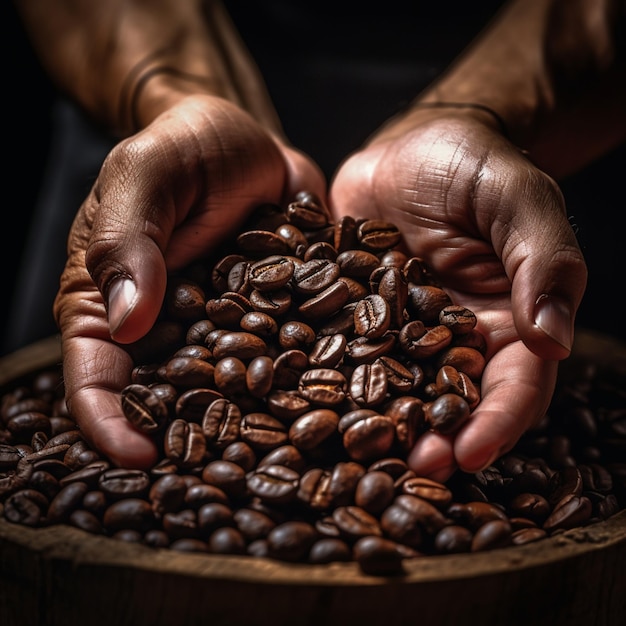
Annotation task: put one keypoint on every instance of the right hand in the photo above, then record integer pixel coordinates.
(163, 198)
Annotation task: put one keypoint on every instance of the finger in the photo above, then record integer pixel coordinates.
(517, 387)
(93, 399)
(433, 457)
(541, 256)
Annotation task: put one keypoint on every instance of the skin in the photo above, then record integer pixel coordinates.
(196, 155)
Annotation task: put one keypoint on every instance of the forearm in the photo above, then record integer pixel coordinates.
(126, 61)
(554, 72)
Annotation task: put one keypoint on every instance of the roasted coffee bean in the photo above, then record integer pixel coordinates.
(271, 273)
(407, 416)
(184, 300)
(291, 541)
(447, 414)
(379, 556)
(374, 491)
(276, 484)
(117, 483)
(185, 443)
(458, 319)
(492, 535)
(378, 235)
(329, 550)
(262, 431)
(241, 345)
(328, 351)
(26, 507)
(323, 386)
(226, 475)
(367, 434)
(314, 429)
(128, 514)
(296, 336)
(372, 316)
(368, 384)
(326, 302)
(230, 376)
(143, 408)
(453, 539)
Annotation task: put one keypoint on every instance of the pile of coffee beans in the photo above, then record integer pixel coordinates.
(284, 383)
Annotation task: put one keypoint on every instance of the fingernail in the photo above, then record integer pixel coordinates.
(122, 293)
(553, 317)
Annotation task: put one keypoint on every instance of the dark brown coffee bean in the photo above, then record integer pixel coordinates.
(192, 404)
(453, 539)
(26, 506)
(184, 300)
(323, 386)
(447, 414)
(287, 404)
(430, 490)
(221, 271)
(492, 535)
(407, 415)
(467, 360)
(260, 376)
(221, 423)
(425, 302)
(326, 302)
(357, 263)
(262, 431)
(314, 429)
(228, 476)
(329, 550)
(261, 243)
(259, 323)
(276, 484)
(144, 409)
(118, 483)
(307, 212)
(372, 316)
(375, 491)
(189, 372)
(167, 493)
(291, 541)
(241, 345)
(363, 350)
(457, 318)
(378, 235)
(366, 434)
(275, 303)
(569, 512)
(230, 376)
(288, 367)
(185, 444)
(368, 384)
(128, 514)
(296, 335)
(328, 351)
(355, 522)
(378, 556)
(66, 500)
(271, 273)
(287, 455)
(253, 524)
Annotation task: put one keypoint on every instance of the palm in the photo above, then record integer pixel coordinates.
(459, 193)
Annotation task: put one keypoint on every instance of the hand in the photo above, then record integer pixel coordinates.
(163, 198)
(494, 231)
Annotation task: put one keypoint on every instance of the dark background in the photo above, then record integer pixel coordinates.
(595, 197)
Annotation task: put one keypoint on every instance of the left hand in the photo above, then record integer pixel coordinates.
(494, 231)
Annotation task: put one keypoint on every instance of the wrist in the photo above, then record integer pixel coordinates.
(152, 87)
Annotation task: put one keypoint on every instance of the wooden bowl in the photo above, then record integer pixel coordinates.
(62, 576)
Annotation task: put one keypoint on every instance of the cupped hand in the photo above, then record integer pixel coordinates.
(493, 230)
(163, 198)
